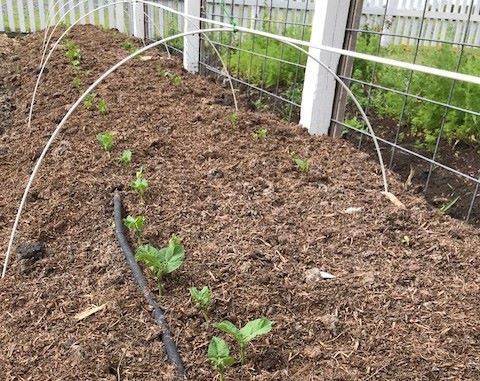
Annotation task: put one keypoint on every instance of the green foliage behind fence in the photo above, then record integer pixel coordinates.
(425, 119)
(422, 118)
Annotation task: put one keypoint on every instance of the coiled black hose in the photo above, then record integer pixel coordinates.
(158, 315)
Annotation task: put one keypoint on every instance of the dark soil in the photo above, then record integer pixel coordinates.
(405, 301)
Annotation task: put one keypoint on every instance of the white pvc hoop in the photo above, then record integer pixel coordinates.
(44, 64)
(349, 53)
(47, 42)
(122, 62)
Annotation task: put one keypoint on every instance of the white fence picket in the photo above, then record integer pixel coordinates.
(111, 17)
(72, 12)
(120, 17)
(91, 16)
(21, 16)
(2, 25)
(101, 14)
(32, 22)
(82, 12)
(444, 19)
(41, 13)
(61, 10)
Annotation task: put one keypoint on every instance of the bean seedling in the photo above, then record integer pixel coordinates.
(261, 134)
(135, 225)
(128, 46)
(175, 79)
(233, 118)
(126, 157)
(106, 140)
(243, 336)
(140, 184)
(162, 261)
(219, 355)
(102, 106)
(73, 54)
(202, 299)
(302, 165)
(88, 100)
(77, 83)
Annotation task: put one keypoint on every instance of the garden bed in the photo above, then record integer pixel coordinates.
(404, 304)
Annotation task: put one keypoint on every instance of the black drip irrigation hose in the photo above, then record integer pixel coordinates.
(158, 314)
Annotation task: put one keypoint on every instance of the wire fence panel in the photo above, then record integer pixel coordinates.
(270, 72)
(429, 126)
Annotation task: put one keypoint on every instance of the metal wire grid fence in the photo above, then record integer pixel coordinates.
(270, 73)
(429, 127)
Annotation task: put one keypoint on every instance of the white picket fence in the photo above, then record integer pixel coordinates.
(32, 15)
(438, 20)
(443, 20)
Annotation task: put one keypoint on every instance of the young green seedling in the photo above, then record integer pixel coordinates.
(261, 134)
(73, 54)
(126, 157)
(102, 106)
(88, 101)
(302, 165)
(77, 83)
(175, 79)
(219, 355)
(162, 261)
(140, 184)
(106, 140)
(202, 299)
(243, 336)
(259, 105)
(136, 225)
(233, 118)
(128, 46)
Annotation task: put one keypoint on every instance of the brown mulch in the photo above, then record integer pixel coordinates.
(404, 304)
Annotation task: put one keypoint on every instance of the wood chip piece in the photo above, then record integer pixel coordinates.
(89, 311)
(394, 200)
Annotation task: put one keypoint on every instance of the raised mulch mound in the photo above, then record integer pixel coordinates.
(404, 304)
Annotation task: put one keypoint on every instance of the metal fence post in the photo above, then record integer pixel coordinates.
(329, 23)
(191, 44)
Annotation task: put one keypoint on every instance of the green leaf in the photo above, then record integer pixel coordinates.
(229, 328)
(173, 255)
(255, 328)
(134, 223)
(219, 353)
(126, 157)
(218, 348)
(201, 297)
(106, 140)
(149, 255)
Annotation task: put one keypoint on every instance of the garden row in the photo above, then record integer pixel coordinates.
(166, 260)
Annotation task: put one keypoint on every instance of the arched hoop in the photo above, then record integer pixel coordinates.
(46, 41)
(44, 64)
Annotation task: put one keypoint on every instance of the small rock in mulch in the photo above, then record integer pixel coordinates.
(28, 253)
(215, 173)
(314, 275)
(353, 210)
